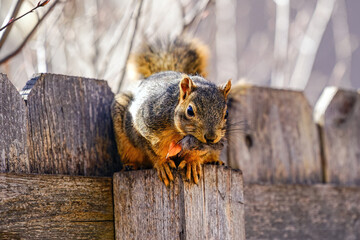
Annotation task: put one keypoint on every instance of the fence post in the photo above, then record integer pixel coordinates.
(13, 129)
(338, 114)
(272, 136)
(146, 209)
(70, 130)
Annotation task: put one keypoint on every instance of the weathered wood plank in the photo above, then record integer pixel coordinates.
(13, 129)
(281, 144)
(220, 196)
(146, 209)
(70, 126)
(338, 114)
(302, 212)
(55, 207)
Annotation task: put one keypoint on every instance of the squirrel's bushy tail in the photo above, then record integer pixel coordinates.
(182, 55)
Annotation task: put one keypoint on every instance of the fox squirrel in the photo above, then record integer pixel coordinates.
(174, 106)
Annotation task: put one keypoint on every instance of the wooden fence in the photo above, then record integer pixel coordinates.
(284, 143)
(301, 175)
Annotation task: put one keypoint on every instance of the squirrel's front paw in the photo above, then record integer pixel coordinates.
(193, 167)
(164, 171)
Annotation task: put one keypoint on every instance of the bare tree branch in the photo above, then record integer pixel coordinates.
(18, 49)
(131, 45)
(226, 57)
(12, 20)
(281, 43)
(14, 10)
(342, 43)
(310, 43)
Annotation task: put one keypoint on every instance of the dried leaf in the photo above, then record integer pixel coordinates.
(41, 4)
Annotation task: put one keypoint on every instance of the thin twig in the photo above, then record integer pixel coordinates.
(18, 49)
(131, 45)
(14, 11)
(12, 20)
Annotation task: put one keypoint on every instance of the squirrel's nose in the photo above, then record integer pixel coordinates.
(210, 137)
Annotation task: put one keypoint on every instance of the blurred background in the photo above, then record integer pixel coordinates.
(297, 44)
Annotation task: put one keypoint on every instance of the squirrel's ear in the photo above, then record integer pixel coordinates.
(186, 87)
(226, 88)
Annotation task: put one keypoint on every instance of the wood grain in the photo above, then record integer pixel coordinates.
(55, 207)
(70, 130)
(272, 136)
(338, 115)
(146, 209)
(302, 212)
(13, 129)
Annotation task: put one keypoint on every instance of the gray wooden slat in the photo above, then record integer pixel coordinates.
(210, 206)
(146, 209)
(302, 212)
(70, 130)
(55, 207)
(272, 136)
(13, 129)
(338, 114)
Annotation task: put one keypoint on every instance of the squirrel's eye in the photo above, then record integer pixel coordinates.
(190, 111)
(226, 114)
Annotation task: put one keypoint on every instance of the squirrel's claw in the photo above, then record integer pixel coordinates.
(164, 171)
(129, 167)
(192, 169)
(182, 164)
(216, 162)
(171, 163)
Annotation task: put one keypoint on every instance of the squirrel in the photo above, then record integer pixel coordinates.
(174, 105)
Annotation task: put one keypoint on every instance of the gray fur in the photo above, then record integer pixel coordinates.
(156, 98)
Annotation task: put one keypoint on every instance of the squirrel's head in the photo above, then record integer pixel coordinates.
(202, 110)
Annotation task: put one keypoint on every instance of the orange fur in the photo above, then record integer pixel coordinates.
(130, 155)
(134, 157)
